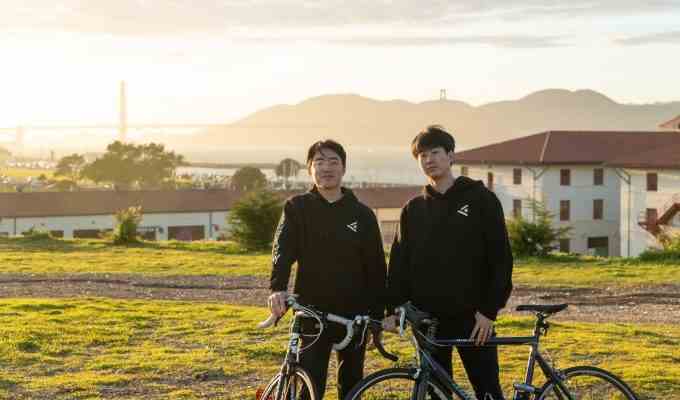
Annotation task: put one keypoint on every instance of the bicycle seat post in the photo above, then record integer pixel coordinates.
(541, 326)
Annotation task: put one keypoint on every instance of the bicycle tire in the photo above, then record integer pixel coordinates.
(405, 389)
(595, 381)
(270, 391)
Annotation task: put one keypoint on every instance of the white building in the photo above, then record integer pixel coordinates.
(181, 215)
(617, 190)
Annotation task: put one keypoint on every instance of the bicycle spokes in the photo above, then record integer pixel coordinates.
(586, 388)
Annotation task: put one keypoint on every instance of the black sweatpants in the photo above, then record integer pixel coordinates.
(315, 358)
(480, 363)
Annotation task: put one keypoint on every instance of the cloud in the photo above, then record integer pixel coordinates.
(514, 41)
(655, 38)
(162, 17)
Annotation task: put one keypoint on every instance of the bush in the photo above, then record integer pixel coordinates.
(37, 234)
(126, 228)
(670, 243)
(254, 218)
(535, 238)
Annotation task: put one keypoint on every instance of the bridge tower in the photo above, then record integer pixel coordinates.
(123, 124)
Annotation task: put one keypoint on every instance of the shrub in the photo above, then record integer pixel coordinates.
(537, 237)
(37, 234)
(126, 228)
(253, 219)
(670, 243)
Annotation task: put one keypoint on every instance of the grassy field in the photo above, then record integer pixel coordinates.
(100, 348)
(225, 259)
(13, 172)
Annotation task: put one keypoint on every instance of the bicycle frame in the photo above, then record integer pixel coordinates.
(428, 367)
(292, 358)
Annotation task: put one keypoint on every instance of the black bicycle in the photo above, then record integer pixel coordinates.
(428, 380)
(293, 382)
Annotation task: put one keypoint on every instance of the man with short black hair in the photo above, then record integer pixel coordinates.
(337, 244)
(451, 257)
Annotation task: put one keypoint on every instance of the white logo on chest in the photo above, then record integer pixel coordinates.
(464, 210)
(354, 226)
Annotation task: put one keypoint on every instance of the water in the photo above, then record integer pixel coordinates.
(373, 165)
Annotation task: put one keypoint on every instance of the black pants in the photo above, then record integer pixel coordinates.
(480, 363)
(315, 358)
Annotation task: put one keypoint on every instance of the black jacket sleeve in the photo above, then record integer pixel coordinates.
(499, 256)
(398, 285)
(373, 260)
(284, 249)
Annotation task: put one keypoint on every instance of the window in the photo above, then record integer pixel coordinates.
(517, 208)
(565, 245)
(464, 171)
(564, 210)
(652, 216)
(147, 232)
(186, 233)
(86, 233)
(489, 181)
(565, 177)
(517, 176)
(598, 177)
(652, 182)
(598, 208)
(599, 246)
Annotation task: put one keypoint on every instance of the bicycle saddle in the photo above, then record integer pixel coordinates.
(542, 308)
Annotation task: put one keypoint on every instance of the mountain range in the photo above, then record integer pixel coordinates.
(361, 121)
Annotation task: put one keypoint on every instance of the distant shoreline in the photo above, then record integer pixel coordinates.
(229, 165)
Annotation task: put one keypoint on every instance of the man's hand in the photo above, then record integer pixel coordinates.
(277, 303)
(377, 334)
(390, 323)
(483, 329)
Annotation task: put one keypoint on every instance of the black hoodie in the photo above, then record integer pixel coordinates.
(452, 256)
(338, 248)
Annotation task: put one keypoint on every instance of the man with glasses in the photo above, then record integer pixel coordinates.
(337, 245)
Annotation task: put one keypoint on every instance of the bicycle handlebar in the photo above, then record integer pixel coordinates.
(349, 324)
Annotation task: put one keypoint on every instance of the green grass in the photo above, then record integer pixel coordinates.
(101, 348)
(13, 172)
(225, 259)
(26, 256)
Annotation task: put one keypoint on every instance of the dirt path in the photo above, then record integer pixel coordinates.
(656, 304)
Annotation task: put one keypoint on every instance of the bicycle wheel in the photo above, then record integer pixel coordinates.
(297, 386)
(587, 383)
(395, 384)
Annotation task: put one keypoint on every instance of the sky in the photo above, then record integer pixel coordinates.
(214, 61)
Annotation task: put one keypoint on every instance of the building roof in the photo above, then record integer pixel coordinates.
(52, 204)
(672, 124)
(629, 149)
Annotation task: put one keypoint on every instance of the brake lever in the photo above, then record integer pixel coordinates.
(402, 320)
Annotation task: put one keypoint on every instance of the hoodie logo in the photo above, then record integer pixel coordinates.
(354, 226)
(464, 210)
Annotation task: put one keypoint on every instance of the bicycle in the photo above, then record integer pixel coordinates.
(428, 380)
(293, 382)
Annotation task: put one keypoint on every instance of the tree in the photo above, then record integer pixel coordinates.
(287, 168)
(126, 228)
(126, 165)
(253, 219)
(70, 167)
(248, 178)
(537, 237)
(4, 154)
